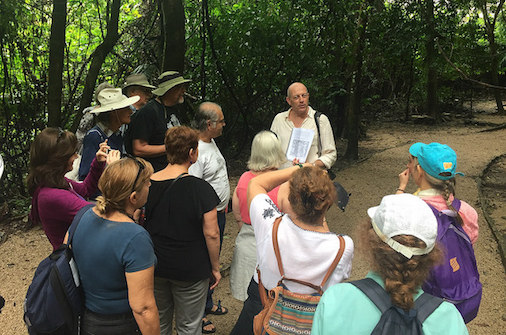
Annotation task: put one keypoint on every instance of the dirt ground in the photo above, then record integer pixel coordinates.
(383, 156)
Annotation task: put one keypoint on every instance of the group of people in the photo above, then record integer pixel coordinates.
(148, 251)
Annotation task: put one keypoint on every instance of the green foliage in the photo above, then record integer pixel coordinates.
(242, 54)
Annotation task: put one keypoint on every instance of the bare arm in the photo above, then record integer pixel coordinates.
(142, 300)
(141, 148)
(212, 236)
(269, 180)
(236, 209)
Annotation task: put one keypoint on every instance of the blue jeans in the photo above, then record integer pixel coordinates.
(222, 219)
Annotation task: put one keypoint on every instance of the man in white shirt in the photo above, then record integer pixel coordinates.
(322, 152)
(211, 167)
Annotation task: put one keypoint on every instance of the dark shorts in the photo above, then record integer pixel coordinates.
(108, 324)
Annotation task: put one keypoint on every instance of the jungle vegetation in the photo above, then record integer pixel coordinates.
(360, 59)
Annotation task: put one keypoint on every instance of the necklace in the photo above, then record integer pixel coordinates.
(125, 213)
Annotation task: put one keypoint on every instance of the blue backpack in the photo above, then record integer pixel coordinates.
(54, 300)
(394, 320)
(456, 280)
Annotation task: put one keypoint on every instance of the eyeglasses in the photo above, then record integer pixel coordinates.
(141, 167)
(298, 96)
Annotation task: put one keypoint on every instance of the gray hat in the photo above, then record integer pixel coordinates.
(168, 80)
(111, 99)
(137, 79)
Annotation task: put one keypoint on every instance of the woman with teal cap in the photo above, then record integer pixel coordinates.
(433, 168)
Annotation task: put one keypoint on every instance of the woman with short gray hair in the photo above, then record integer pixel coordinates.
(266, 155)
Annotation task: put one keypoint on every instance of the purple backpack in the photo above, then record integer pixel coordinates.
(456, 280)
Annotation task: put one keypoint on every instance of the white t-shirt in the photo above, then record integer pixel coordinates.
(211, 167)
(306, 255)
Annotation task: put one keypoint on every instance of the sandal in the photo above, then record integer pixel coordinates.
(206, 323)
(220, 310)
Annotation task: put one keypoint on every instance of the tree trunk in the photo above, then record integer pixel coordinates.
(494, 64)
(430, 61)
(173, 35)
(56, 55)
(354, 104)
(98, 59)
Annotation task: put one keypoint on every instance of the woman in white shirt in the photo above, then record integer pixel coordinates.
(306, 245)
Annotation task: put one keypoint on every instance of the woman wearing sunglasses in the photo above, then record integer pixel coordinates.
(115, 256)
(56, 199)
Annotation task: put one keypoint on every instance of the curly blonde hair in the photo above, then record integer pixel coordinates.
(402, 276)
(311, 194)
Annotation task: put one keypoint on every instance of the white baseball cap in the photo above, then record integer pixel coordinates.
(404, 214)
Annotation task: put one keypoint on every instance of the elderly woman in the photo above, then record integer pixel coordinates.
(115, 256)
(307, 246)
(401, 255)
(181, 218)
(113, 112)
(56, 199)
(266, 155)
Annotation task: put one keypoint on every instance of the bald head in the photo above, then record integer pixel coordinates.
(297, 96)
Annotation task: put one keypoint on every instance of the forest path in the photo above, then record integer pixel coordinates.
(386, 150)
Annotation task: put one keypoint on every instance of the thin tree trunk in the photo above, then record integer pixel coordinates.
(98, 58)
(56, 55)
(430, 61)
(354, 105)
(173, 34)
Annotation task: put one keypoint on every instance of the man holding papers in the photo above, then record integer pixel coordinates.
(304, 134)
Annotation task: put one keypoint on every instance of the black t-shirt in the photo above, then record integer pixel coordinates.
(150, 123)
(174, 220)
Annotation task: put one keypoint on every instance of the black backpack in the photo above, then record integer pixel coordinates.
(395, 320)
(54, 301)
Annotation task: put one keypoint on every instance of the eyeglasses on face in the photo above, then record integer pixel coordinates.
(298, 96)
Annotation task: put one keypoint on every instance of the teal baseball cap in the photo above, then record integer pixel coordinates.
(438, 160)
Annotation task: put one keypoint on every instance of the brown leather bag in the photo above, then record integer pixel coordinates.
(271, 319)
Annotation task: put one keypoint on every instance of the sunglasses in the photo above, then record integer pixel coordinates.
(141, 168)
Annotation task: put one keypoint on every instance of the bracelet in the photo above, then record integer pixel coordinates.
(400, 189)
(299, 165)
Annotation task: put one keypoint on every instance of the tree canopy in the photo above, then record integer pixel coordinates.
(359, 59)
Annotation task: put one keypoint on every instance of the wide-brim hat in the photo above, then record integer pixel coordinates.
(137, 79)
(168, 80)
(438, 160)
(111, 99)
(404, 214)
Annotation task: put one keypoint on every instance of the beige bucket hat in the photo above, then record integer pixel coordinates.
(137, 79)
(111, 99)
(168, 80)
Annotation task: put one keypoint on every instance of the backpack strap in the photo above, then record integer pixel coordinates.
(374, 292)
(317, 122)
(425, 305)
(333, 266)
(331, 269)
(75, 222)
(167, 190)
